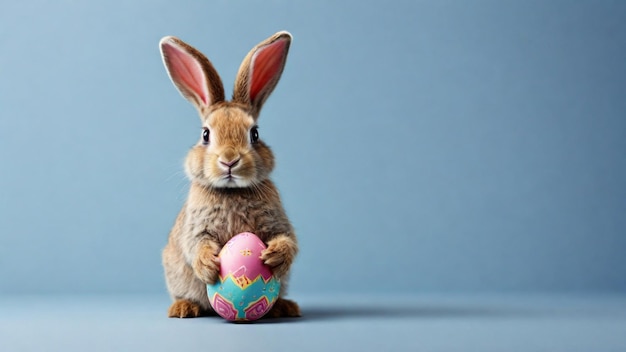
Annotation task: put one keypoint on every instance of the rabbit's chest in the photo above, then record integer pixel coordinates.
(224, 220)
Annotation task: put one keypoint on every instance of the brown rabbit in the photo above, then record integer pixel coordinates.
(229, 170)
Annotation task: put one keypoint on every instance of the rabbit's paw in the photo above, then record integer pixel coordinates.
(206, 266)
(280, 252)
(183, 308)
(284, 308)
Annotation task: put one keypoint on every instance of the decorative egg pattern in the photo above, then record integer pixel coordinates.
(246, 289)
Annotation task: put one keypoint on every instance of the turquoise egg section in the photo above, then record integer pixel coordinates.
(235, 300)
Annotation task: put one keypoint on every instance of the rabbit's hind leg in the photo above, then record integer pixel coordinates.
(187, 291)
(284, 308)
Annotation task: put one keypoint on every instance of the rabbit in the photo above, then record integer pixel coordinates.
(229, 168)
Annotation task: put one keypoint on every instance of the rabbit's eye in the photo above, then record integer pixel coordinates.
(254, 134)
(205, 135)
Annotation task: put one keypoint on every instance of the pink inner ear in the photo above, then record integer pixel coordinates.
(186, 71)
(265, 66)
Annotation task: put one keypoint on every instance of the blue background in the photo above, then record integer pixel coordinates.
(443, 146)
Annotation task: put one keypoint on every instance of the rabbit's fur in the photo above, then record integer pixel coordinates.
(229, 169)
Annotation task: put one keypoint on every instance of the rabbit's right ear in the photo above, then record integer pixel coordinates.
(192, 73)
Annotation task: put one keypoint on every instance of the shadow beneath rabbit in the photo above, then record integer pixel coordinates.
(320, 313)
(330, 313)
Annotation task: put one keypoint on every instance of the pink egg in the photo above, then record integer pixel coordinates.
(241, 257)
(246, 289)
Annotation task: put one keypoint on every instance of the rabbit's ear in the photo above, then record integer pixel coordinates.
(260, 71)
(192, 73)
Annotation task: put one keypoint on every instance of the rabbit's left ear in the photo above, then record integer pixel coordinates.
(260, 71)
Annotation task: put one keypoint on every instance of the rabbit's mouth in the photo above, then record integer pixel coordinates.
(229, 180)
(229, 176)
(236, 176)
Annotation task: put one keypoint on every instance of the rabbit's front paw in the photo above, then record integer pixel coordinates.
(206, 266)
(279, 255)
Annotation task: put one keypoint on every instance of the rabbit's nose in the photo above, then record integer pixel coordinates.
(230, 164)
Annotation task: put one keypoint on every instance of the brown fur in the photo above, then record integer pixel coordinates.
(184, 309)
(218, 207)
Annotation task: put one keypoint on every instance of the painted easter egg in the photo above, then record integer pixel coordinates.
(246, 289)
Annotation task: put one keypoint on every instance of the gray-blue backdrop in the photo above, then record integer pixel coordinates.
(433, 146)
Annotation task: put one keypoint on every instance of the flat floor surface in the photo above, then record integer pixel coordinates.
(345, 323)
